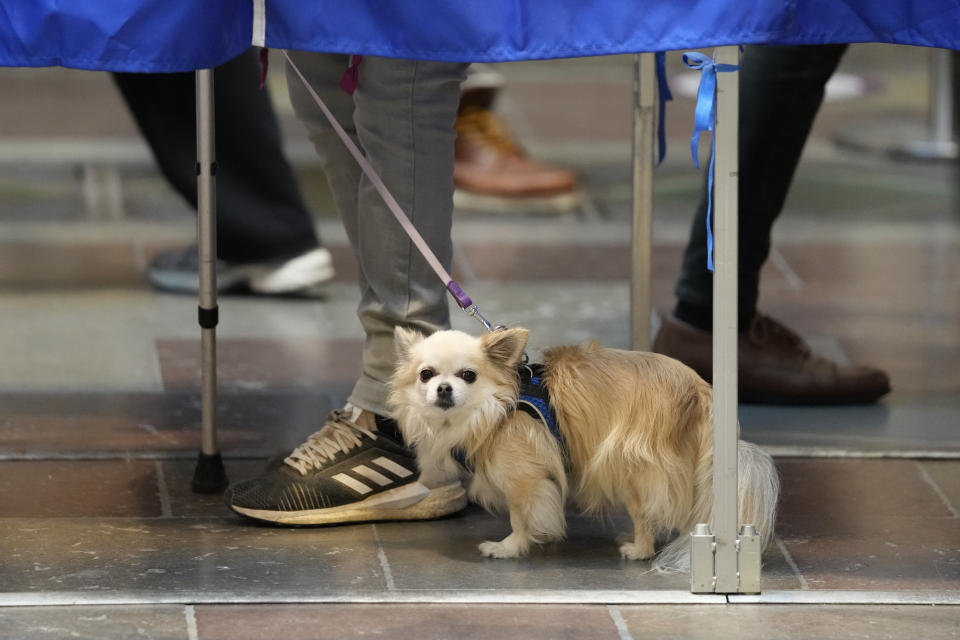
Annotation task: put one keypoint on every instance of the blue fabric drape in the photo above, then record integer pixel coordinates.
(123, 35)
(178, 35)
(496, 30)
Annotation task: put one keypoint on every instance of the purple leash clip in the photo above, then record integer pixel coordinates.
(459, 295)
(468, 306)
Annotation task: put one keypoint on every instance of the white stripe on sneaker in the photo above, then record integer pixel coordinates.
(392, 467)
(356, 485)
(370, 474)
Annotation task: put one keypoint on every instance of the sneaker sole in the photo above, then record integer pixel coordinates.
(412, 501)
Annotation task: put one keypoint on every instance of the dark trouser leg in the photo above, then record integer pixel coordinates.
(261, 213)
(781, 89)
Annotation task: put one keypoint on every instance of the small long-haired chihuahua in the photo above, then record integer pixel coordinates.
(635, 431)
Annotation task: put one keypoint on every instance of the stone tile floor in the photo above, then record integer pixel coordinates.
(98, 391)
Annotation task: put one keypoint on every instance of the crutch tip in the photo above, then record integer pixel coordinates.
(210, 475)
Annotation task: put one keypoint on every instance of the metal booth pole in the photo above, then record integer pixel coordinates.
(938, 141)
(644, 115)
(209, 476)
(723, 559)
(935, 139)
(942, 95)
(725, 293)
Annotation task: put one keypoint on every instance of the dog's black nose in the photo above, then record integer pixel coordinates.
(445, 396)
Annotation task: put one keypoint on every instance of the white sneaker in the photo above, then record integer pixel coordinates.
(300, 274)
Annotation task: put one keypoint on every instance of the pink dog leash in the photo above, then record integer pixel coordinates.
(461, 297)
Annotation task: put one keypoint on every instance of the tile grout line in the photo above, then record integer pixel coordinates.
(936, 489)
(190, 614)
(162, 492)
(576, 597)
(778, 259)
(621, 624)
(384, 563)
(125, 456)
(793, 565)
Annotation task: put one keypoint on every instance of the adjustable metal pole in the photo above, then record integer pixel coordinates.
(725, 325)
(939, 140)
(943, 128)
(210, 476)
(935, 139)
(644, 116)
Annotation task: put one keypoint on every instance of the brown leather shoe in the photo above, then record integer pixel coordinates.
(776, 366)
(493, 173)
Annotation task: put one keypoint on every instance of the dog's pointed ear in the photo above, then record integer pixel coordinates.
(404, 340)
(505, 346)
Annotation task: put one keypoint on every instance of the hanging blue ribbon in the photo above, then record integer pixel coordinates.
(704, 119)
(664, 94)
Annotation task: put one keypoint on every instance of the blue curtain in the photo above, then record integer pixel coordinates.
(178, 35)
(497, 30)
(123, 35)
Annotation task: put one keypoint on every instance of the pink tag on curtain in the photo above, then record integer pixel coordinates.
(351, 76)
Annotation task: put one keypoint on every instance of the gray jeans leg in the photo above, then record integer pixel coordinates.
(402, 116)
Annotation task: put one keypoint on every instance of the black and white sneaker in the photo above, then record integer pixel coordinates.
(354, 469)
(176, 270)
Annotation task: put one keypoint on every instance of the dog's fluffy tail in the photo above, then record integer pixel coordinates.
(758, 488)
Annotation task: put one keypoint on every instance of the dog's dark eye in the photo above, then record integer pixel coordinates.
(468, 376)
(426, 374)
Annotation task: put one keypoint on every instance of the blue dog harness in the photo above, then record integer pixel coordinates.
(533, 399)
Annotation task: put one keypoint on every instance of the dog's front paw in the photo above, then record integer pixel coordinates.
(502, 549)
(633, 551)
